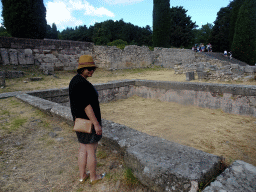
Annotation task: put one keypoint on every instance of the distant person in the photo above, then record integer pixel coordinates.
(209, 47)
(225, 53)
(202, 48)
(84, 104)
(230, 55)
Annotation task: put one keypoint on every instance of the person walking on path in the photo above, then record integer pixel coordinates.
(84, 104)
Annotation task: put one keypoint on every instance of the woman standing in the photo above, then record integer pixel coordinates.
(84, 104)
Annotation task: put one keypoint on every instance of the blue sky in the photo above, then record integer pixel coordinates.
(71, 13)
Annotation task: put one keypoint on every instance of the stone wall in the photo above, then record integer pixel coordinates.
(63, 55)
(216, 70)
(49, 55)
(160, 164)
(132, 56)
(58, 55)
(235, 99)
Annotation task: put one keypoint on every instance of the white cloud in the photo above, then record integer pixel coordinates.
(62, 12)
(89, 9)
(122, 1)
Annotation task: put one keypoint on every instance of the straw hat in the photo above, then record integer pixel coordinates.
(85, 61)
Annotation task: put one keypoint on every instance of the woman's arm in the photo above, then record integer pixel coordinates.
(90, 114)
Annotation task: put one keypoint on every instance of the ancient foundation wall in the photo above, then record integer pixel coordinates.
(53, 55)
(50, 55)
(235, 99)
(160, 164)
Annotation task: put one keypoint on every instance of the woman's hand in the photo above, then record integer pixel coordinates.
(98, 129)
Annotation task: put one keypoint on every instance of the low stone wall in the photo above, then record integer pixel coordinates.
(235, 99)
(50, 55)
(216, 70)
(160, 164)
(63, 55)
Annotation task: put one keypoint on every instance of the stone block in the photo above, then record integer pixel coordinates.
(30, 60)
(13, 56)
(167, 166)
(239, 71)
(249, 69)
(190, 76)
(28, 52)
(240, 176)
(234, 66)
(202, 75)
(5, 56)
(21, 58)
(2, 80)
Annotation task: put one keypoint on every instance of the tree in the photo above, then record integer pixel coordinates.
(181, 31)
(118, 43)
(24, 18)
(220, 31)
(51, 32)
(161, 23)
(3, 32)
(235, 7)
(203, 34)
(244, 42)
(54, 31)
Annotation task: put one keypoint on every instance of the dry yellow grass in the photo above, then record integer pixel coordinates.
(212, 131)
(62, 79)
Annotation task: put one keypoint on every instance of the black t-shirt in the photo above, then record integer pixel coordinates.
(81, 94)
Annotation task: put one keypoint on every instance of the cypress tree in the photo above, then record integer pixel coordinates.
(25, 18)
(161, 23)
(234, 7)
(244, 42)
(220, 31)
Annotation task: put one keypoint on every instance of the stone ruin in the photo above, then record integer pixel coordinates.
(58, 55)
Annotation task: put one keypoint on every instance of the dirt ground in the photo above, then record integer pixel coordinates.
(38, 152)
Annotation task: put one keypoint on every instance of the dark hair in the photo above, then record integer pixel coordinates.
(80, 71)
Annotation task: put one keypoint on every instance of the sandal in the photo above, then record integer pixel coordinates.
(99, 177)
(81, 181)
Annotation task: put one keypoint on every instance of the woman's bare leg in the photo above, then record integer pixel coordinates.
(91, 159)
(82, 160)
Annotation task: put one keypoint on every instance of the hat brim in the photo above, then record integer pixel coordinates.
(87, 64)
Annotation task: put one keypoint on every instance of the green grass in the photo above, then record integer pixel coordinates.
(14, 103)
(16, 123)
(5, 112)
(129, 177)
(101, 154)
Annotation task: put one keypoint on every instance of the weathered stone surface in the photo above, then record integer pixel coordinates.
(2, 80)
(166, 166)
(190, 76)
(5, 56)
(249, 69)
(240, 176)
(30, 60)
(22, 57)
(202, 75)
(13, 56)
